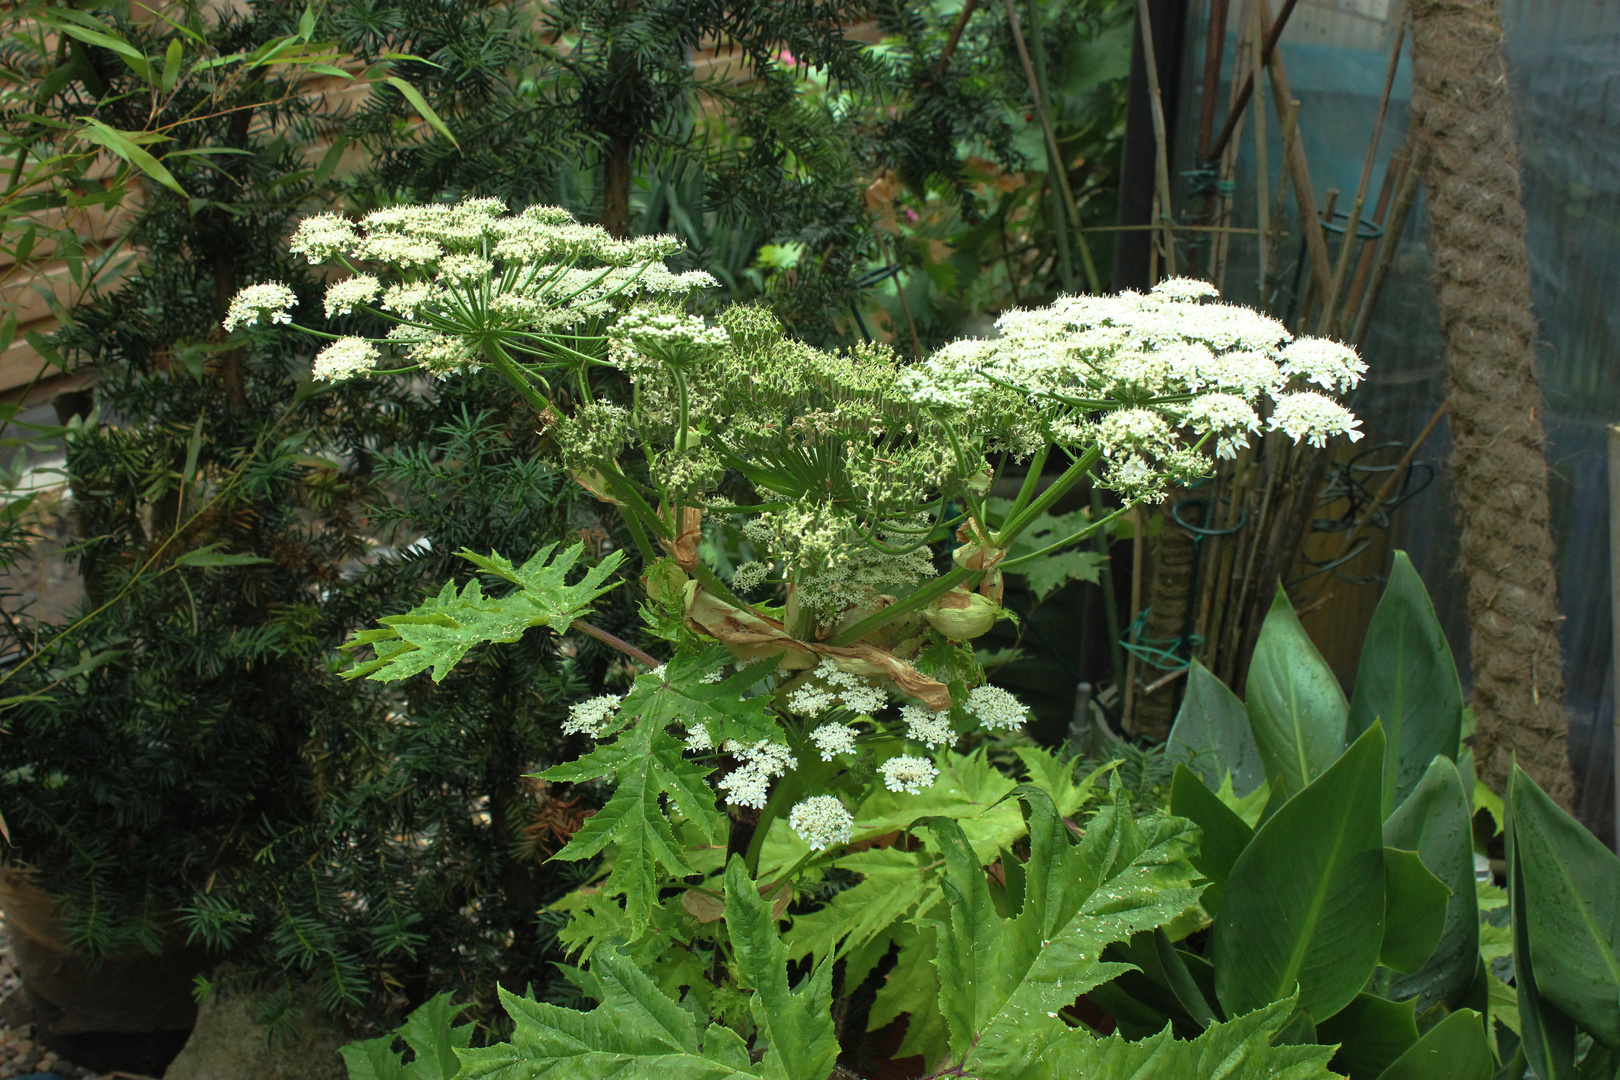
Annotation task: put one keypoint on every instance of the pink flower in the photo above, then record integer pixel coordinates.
(787, 58)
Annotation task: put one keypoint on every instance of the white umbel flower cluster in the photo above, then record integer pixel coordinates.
(995, 708)
(269, 301)
(750, 784)
(1131, 372)
(459, 271)
(821, 821)
(344, 358)
(590, 717)
(929, 728)
(908, 773)
(833, 739)
(829, 687)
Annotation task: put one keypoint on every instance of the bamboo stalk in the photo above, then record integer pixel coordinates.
(1393, 173)
(1304, 190)
(1262, 168)
(1352, 227)
(1160, 139)
(1241, 102)
(1404, 198)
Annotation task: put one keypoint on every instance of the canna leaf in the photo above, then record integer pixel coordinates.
(1212, 735)
(1414, 911)
(1371, 1032)
(1454, 1049)
(1296, 709)
(1434, 821)
(1304, 903)
(1225, 835)
(1569, 901)
(1408, 679)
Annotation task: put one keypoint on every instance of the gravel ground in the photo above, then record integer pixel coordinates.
(20, 1053)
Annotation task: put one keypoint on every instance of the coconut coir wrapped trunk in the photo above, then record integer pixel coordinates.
(1462, 112)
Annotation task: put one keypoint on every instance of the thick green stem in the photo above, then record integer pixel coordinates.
(515, 376)
(1032, 480)
(1060, 487)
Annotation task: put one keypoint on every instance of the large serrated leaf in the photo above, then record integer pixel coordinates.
(893, 883)
(637, 1033)
(1304, 903)
(1237, 1050)
(431, 1037)
(1296, 708)
(1002, 982)
(1408, 679)
(800, 1042)
(647, 764)
(438, 632)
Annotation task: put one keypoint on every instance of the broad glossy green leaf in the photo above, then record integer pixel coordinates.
(1548, 1036)
(1571, 907)
(1304, 903)
(1240, 1049)
(1212, 736)
(1225, 835)
(1435, 822)
(1296, 708)
(797, 1024)
(1408, 679)
(1454, 1049)
(1372, 1032)
(1414, 911)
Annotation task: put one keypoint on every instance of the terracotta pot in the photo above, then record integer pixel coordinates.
(124, 1011)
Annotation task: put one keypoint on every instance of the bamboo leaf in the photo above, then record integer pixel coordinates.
(120, 143)
(419, 103)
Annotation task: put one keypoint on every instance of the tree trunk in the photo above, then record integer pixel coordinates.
(1460, 107)
(616, 188)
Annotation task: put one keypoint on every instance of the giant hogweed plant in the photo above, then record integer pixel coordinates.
(833, 665)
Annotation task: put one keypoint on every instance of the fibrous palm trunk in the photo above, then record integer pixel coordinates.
(1461, 109)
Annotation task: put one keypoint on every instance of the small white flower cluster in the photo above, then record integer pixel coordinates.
(342, 296)
(908, 773)
(927, 727)
(270, 301)
(995, 708)
(1314, 418)
(833, 738)
(750, 784)
(821, 821)
(748, 576)
(590, 717)
(830, 687)
(344, 358)
(669, 336)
